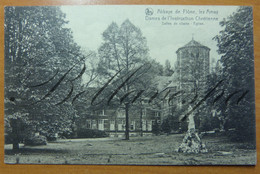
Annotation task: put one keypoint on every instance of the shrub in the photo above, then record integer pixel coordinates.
(8, 139)
(156, 128)
(166, 126)
(36, 140)
(90, 133)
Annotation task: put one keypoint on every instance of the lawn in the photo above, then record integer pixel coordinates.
(153, 150)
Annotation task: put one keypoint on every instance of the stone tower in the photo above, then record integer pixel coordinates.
(192, 66)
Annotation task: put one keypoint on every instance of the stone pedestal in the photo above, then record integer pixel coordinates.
(191, 143)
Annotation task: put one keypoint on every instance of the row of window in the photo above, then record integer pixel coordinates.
(99, 124)
(121, 113)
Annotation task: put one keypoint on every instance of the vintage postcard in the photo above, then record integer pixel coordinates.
(131, 85)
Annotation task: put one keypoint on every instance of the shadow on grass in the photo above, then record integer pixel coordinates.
(29, 151)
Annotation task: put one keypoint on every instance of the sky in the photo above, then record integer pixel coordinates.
(166, 28)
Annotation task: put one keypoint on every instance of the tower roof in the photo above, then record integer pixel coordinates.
(193, 43)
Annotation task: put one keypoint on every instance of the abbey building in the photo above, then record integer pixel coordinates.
(188, 80)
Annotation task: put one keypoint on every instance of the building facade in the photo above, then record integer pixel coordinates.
(112, 120)
(192, 69)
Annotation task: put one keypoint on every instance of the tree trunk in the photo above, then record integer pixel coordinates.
(141, 123)
(127, 121)
(15, 146)
(15, 133)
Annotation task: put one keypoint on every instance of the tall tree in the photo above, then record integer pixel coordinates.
(43, 69)
(168, 71)
(124, 50)
(235, 44)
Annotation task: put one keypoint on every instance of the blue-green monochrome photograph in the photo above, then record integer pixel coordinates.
(129, 85)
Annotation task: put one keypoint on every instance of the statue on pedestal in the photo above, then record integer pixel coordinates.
(191, 142)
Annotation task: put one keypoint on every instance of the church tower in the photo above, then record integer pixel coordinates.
(192, 66)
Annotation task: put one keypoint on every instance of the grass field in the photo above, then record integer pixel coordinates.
(153, 150)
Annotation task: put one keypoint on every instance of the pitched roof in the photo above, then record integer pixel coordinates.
(192, 43)
(162, 82)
